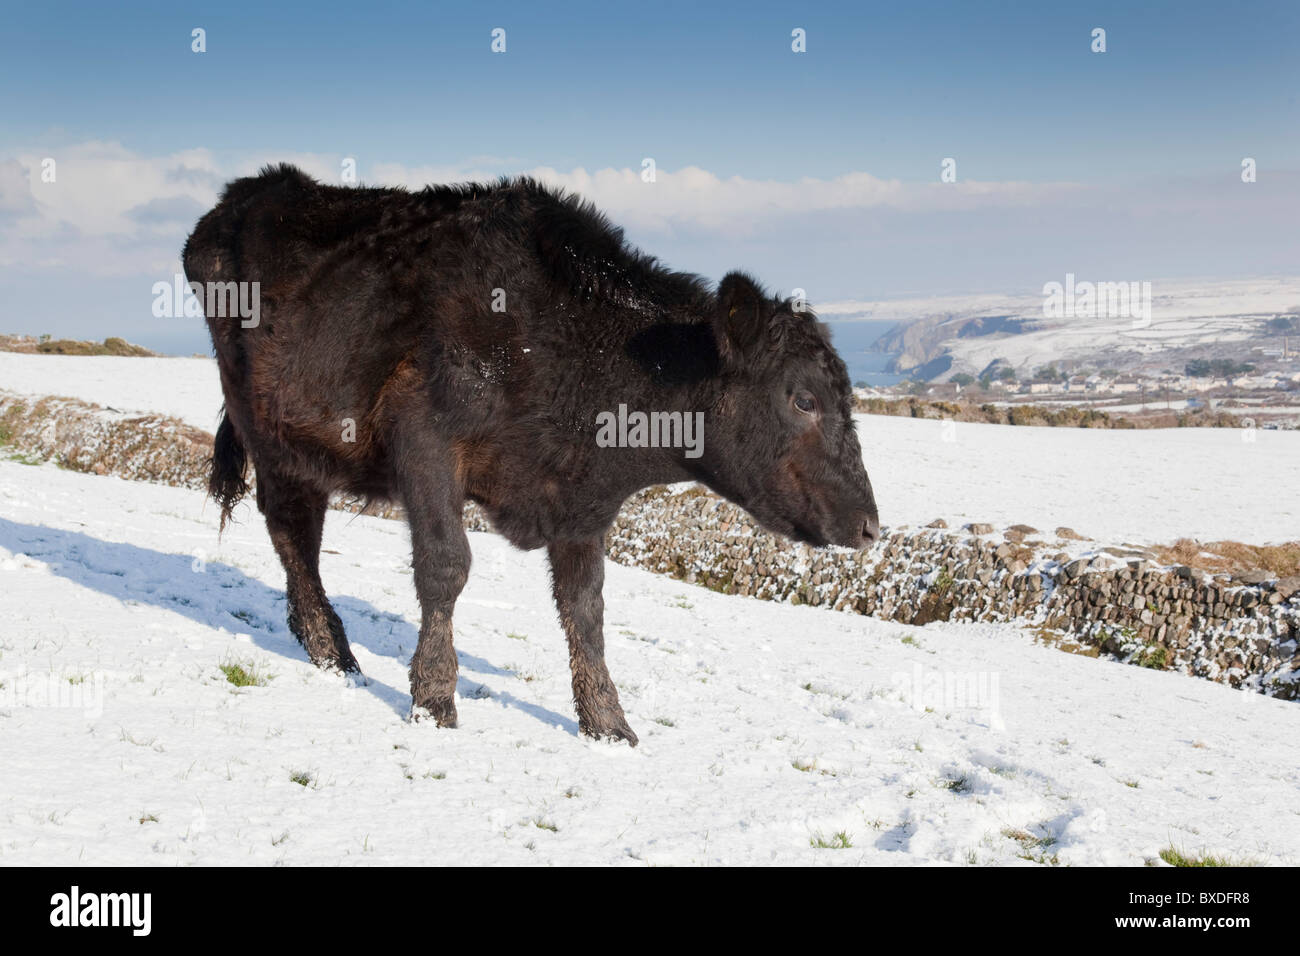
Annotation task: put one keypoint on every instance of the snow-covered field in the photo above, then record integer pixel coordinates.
(187, 388)
(1141, 486)
(1121, 486)
(764, 728)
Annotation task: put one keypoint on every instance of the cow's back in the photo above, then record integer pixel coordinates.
(498, 315)
(369, 298)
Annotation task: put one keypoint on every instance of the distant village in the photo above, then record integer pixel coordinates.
(1267, 382)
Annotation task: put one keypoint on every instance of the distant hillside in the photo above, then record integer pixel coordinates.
(1184, 321)
(44, 345)
(921, 346)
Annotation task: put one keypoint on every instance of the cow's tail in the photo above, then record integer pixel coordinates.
(227, 483)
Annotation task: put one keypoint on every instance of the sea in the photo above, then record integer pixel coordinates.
(853, 340)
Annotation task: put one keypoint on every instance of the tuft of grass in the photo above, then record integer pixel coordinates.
(243, 674)
(516, 637)
(1232, 556)
(1029, 842)
(1041, 858)
(957, 785)
(520, 672)
(148, 818)
(839, 840)
(302, 778)
(1153, 656)
(543, 824)
(1176, 857)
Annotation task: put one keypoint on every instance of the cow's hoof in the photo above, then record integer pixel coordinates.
(344, 663)
(444, 712)
(613, 728)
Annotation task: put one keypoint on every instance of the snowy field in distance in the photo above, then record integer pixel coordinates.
(765, 728)
(1141, 486)
(187, 388)
(1148, 486)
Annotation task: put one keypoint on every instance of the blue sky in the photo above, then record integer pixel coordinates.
(1122, 162)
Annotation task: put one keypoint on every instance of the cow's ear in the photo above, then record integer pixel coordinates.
(740, 321)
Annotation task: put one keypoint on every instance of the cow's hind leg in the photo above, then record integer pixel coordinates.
(440, 559)
(295, 515)
(578, 576)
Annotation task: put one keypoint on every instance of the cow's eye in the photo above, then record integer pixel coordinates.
(806, 403)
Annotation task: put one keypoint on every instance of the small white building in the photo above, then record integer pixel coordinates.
(1254, 381)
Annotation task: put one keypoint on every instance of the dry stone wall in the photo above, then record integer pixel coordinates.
(1241, 630)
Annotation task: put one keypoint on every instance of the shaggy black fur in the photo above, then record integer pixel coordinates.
(377, 313)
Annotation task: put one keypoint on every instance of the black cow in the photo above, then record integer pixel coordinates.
(498, 343)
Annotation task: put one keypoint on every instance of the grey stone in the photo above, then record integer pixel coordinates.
(1252, 577)
(1287, 586)
(1077, 567)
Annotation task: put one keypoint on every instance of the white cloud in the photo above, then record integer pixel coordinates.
(16, 197)
(696, 197)
(96, 185)
(111, 211)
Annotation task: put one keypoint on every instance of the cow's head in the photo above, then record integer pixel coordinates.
(780, 440)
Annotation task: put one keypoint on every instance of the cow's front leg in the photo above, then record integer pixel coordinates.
(578, 574)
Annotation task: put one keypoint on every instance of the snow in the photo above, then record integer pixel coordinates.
(1145, 486)
(1142, 486)
(764, 727)
(1184, 314)
(187, 388)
